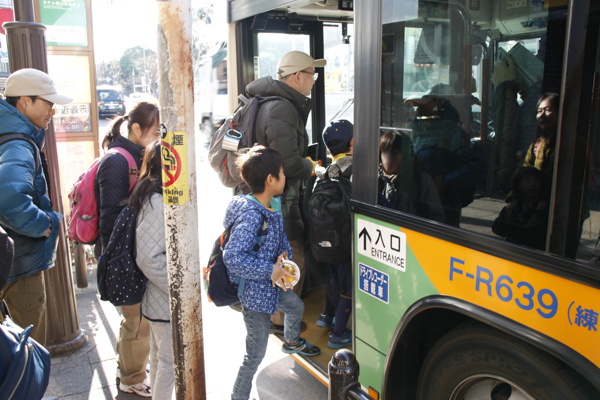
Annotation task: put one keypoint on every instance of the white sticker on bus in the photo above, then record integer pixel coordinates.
(382, 244)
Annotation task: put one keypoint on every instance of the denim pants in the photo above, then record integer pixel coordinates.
(257, 337)
(338, 302)
(162, 375)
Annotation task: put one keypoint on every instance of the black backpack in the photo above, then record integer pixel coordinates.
(120, 281)
(242, 122)
(217, 286)
(330, 229)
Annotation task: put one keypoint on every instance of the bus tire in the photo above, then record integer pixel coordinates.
(475, 361)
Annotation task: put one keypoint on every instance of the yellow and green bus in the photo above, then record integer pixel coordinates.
(495, 296)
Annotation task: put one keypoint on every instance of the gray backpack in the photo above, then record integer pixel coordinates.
(238, 133)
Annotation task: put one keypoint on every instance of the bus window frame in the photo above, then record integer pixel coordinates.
(369, 30)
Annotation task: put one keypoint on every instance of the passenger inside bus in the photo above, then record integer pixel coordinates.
(525, 219)
(444, 151)
(466, 92)
(402, 186)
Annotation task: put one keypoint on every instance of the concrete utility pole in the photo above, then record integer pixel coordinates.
(176, 99)
(27, 49)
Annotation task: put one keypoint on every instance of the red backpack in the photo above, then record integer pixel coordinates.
(84, 224)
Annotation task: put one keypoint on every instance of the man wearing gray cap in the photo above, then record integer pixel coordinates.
(25, 209)
(281, 125)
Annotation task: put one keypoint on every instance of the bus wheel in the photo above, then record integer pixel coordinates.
(477, 362)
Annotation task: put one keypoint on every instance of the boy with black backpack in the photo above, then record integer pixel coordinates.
(330, 231)
(256, 248)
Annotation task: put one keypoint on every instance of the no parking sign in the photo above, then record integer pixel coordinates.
(174, 163)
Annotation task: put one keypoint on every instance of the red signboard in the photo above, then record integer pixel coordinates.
(6, 15)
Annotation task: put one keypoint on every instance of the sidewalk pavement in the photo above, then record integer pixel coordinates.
(90, 372)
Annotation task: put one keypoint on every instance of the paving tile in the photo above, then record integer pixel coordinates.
(69, 379)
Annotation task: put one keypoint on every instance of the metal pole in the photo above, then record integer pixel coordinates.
(343, 377)
(27, 49)
(80, 265)
(176, 99)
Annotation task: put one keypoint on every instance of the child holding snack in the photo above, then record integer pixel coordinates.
(255, 251)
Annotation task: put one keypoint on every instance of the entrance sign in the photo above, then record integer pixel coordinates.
(388, 246)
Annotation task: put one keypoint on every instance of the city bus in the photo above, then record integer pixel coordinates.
(495, 104)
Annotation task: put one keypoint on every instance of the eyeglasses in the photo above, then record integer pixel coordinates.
(49, 102)
(314, 74)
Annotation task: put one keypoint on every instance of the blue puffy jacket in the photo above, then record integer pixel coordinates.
(246, 215)
(24, 203)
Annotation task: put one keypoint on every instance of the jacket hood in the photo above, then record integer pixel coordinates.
(244, 203)
(343, 163)
(13, 121)
(269, 87)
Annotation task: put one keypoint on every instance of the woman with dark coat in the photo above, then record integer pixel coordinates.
(112, 192)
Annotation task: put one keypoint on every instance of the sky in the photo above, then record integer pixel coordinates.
(122, 24)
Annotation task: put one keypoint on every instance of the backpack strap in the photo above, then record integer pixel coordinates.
(21, 136)
(348, 172)
(257, 102)
(133, 171)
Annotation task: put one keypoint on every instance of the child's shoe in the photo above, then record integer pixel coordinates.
(326, 321)
(300, 347)
(336, 342)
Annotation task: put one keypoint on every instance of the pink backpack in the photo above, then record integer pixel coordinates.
(84, 223)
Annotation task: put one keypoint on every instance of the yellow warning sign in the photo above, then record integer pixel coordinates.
(175, 168)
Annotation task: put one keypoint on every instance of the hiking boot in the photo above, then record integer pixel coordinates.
(336, 342)
(278, 329)
(300, 347)
(325, 321)
(141, 389)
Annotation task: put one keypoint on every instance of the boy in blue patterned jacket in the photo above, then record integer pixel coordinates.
(255, 250)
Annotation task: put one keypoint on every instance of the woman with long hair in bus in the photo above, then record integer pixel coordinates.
(541, 155)
(147, 199)
(112, 190)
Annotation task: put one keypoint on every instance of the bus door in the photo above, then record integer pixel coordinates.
(263, 34)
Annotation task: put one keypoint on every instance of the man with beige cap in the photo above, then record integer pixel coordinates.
(281, 125)
(25, 209)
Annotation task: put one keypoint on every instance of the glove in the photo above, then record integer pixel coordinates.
(504, 71)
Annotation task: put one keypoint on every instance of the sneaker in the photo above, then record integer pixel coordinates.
(300, 347)
(336, 342)
(141, 389)
(278, 329)
(325, 321)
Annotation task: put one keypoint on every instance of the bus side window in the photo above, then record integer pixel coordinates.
(495, 176)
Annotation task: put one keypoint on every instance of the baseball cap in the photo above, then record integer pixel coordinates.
(295, 61)
(33, 82)
(341, 130)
